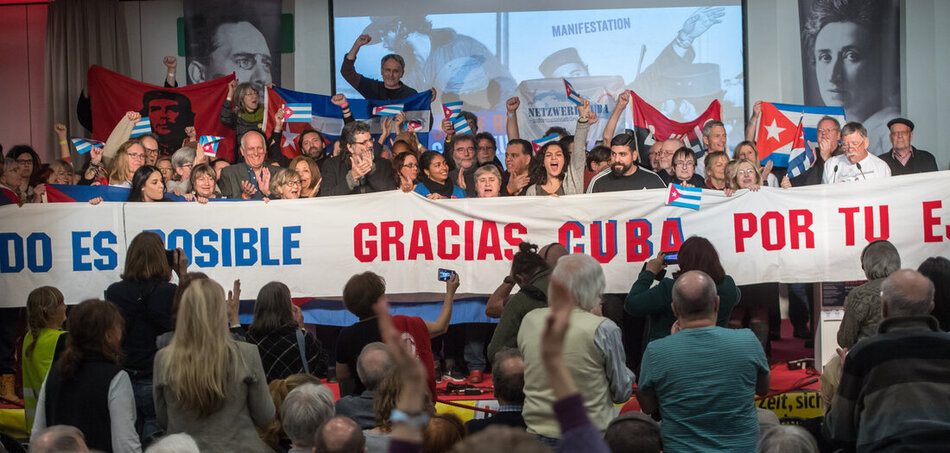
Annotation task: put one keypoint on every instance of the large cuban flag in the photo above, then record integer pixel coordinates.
(777, 130)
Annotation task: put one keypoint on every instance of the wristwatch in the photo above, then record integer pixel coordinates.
(397, 416)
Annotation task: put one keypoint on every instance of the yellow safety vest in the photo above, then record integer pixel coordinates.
(35, 368)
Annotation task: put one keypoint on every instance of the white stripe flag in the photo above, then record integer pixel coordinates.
(572, 94)
(452, 109)
(209, 144)
(388, 110)
(537, 144)
(84, 145)
(460, 125)
(144, 126)
(298, 113)
(684, 197)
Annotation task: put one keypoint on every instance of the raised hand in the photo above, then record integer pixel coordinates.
(170, 62)
(234, 303)
(231, 87)
(398, 121)
(786, 183)
(248, 188)
(133, 116)
(512, 104)
(60, 130)
(362, 40)
(338, 99)
(387, 127)
(265, 181)
(622, 100)
(190, 132)
(700, 21)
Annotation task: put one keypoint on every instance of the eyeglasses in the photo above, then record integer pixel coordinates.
(364, 142)
(165, 170)
(410, 165)
(24, 161)
(745, 172)
(827, 131)
(136, 156)
(294, 183)
(685, 163)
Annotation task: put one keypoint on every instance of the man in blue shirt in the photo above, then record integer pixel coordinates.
(703, 378)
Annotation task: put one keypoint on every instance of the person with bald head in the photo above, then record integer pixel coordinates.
(59, 439)
(339, 435)
(894, 392)
(249, 179)
(702, 379)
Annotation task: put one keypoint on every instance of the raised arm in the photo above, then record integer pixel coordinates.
(63, 138)
(750, 128)
(615, 115)
(120, 134)
(496, 302)
(347, 69)
(171, 63)
(574, 178)
(441, 325)
(511, 125)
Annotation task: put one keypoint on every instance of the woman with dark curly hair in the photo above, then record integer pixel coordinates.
(405, 169)
(147, 185)
(531, 272)
(435, 184)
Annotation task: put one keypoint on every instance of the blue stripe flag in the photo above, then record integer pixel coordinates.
(84, 145)
(684, 197)
(144, 126)
(572, 94)
(298, 113)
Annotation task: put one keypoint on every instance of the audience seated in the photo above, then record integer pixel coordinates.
(59, 439)
(372, 365)
(508, 382)
(339, 435)
(702, 378)
(894, 394)
(86, 388)
(634, 432)
(304, 410)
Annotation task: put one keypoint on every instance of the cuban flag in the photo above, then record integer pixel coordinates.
(413, 126)
(141, 128)
(572, 94)
(684, 197)
(209, 144)
(537, 144)
(327, 117)
(460, 125)
(452, 109)
(802, 156)
(777, 130)
(84, 145)
(297, 113)
(388, 110)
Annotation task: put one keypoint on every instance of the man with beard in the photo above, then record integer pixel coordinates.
(169, 113)
(623, 173)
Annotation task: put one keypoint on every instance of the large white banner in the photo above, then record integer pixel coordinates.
(803, 234)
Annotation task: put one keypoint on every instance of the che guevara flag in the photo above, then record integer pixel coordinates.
(169, 110)
(652, 126)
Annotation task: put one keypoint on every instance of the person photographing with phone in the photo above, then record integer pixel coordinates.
(696, 253)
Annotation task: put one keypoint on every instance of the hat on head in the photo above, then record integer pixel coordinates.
(904, 121)
(558, 59)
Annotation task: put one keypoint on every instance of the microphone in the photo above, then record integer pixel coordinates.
(834, 174)
(858, 164)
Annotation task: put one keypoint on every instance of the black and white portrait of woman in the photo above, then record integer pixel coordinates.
(850, 58)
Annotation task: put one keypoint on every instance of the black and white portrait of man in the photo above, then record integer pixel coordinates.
(240, 37)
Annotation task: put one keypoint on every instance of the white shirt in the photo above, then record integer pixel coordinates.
(840, 169)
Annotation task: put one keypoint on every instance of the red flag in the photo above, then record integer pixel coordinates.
(652, 126)
(775, 132)
(170, 110)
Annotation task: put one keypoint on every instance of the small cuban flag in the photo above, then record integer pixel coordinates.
(298, 113)
(413, 125)
(684, 197)
(452, 109)
(141, 128)
(84, 145)
(461, 125)
(209, 144)
(537, 144)
(388, 110)
(572, 94)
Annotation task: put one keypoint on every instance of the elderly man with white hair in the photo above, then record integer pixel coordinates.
(593, 351)
(303, 411)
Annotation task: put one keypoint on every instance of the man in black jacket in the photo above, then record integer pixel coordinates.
(356, 170)
(904, 159)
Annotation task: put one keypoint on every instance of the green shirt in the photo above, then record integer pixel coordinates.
(654, 303)
(506, 333)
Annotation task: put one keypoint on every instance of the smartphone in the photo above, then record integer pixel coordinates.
(670, 258)
(170, 257)
(445, 274)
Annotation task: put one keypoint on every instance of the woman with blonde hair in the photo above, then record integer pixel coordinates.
(128, 159)
(285, 185)
(206, 384)
(747, 150)
(43, 342)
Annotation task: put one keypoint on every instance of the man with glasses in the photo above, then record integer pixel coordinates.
(356, 169)
(829, 133)
(905, 159)
(150, 143)
(855, 164)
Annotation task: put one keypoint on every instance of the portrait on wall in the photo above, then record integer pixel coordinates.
(851, 59)
(228, 36)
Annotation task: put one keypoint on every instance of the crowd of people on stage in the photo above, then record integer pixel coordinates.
(170, 367)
